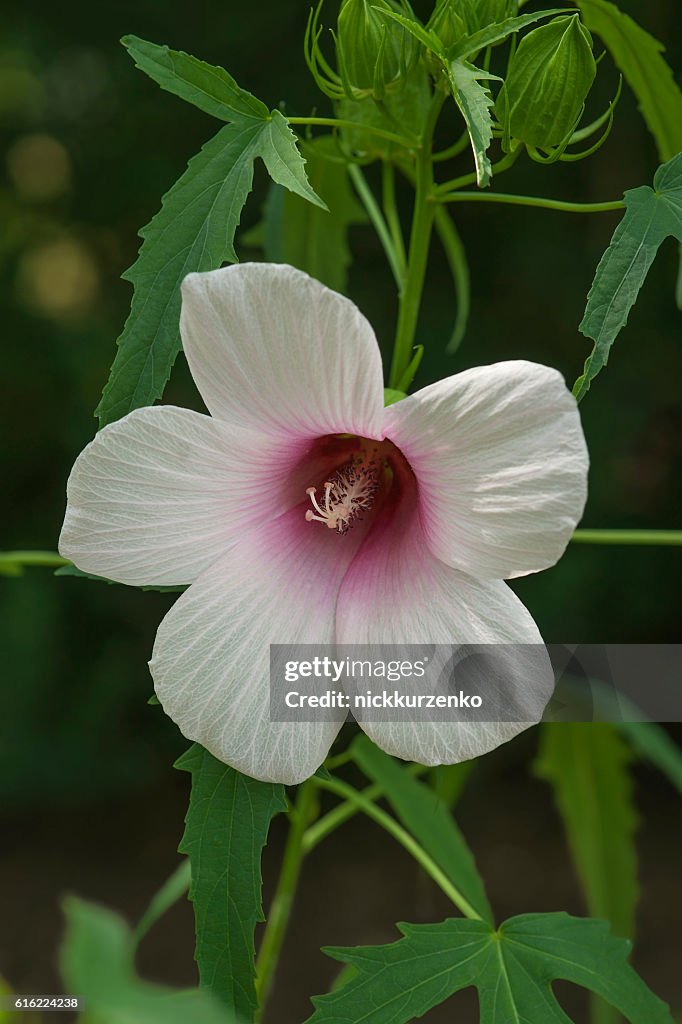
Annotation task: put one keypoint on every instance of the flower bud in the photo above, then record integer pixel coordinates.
(373, 50)
(453, 19)
(449, 22)
(547, 81)
(491, 12)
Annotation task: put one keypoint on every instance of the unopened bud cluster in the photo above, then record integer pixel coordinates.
(539, 104)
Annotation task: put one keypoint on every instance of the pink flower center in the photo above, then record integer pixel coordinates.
(363, 479)
(349, 493)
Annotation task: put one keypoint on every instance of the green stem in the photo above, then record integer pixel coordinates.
(377, 219)
(12, 563)
(282, 902)
(455, 254)
(391, 213)
(645, 537)
(547, 204)
(335, 122)
(170, 892)
(343, 812)
(454, 150)
(404, 838)
(420, 238)
(336, 817)
(470, 179)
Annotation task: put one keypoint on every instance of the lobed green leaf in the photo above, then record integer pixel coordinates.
(226, 828)
(512, 969)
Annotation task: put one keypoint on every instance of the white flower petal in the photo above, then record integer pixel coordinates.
(501, 462)
(269, 346)
(396, 593)
(159, 495)
(211, 657)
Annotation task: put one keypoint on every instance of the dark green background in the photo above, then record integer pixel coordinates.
(88, 800)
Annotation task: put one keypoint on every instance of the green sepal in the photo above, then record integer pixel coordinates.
(373, 52)
(391, 396)
(411, 370)
(403, 109)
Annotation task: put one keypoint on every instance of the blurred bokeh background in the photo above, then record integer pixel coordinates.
(88, 799)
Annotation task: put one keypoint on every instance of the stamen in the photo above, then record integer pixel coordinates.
(346, 495)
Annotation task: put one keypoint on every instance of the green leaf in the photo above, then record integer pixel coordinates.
(404, 109)
(651, 215)
(97, 964)
(512, 969)
(427, 817)
(651, 742)
(193, 231)
(391, 396)
(7, 1010)
(195, 227)
(172, 890)
(474, 102)
(277, 147)
(639, 57)
(296, 232)
(587, 763)
(210, 88)
(226, 829)
(71, 570)
(469, 45)
(423, 35)
(449, 781)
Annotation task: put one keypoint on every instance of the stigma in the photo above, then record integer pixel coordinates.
(346, 495)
